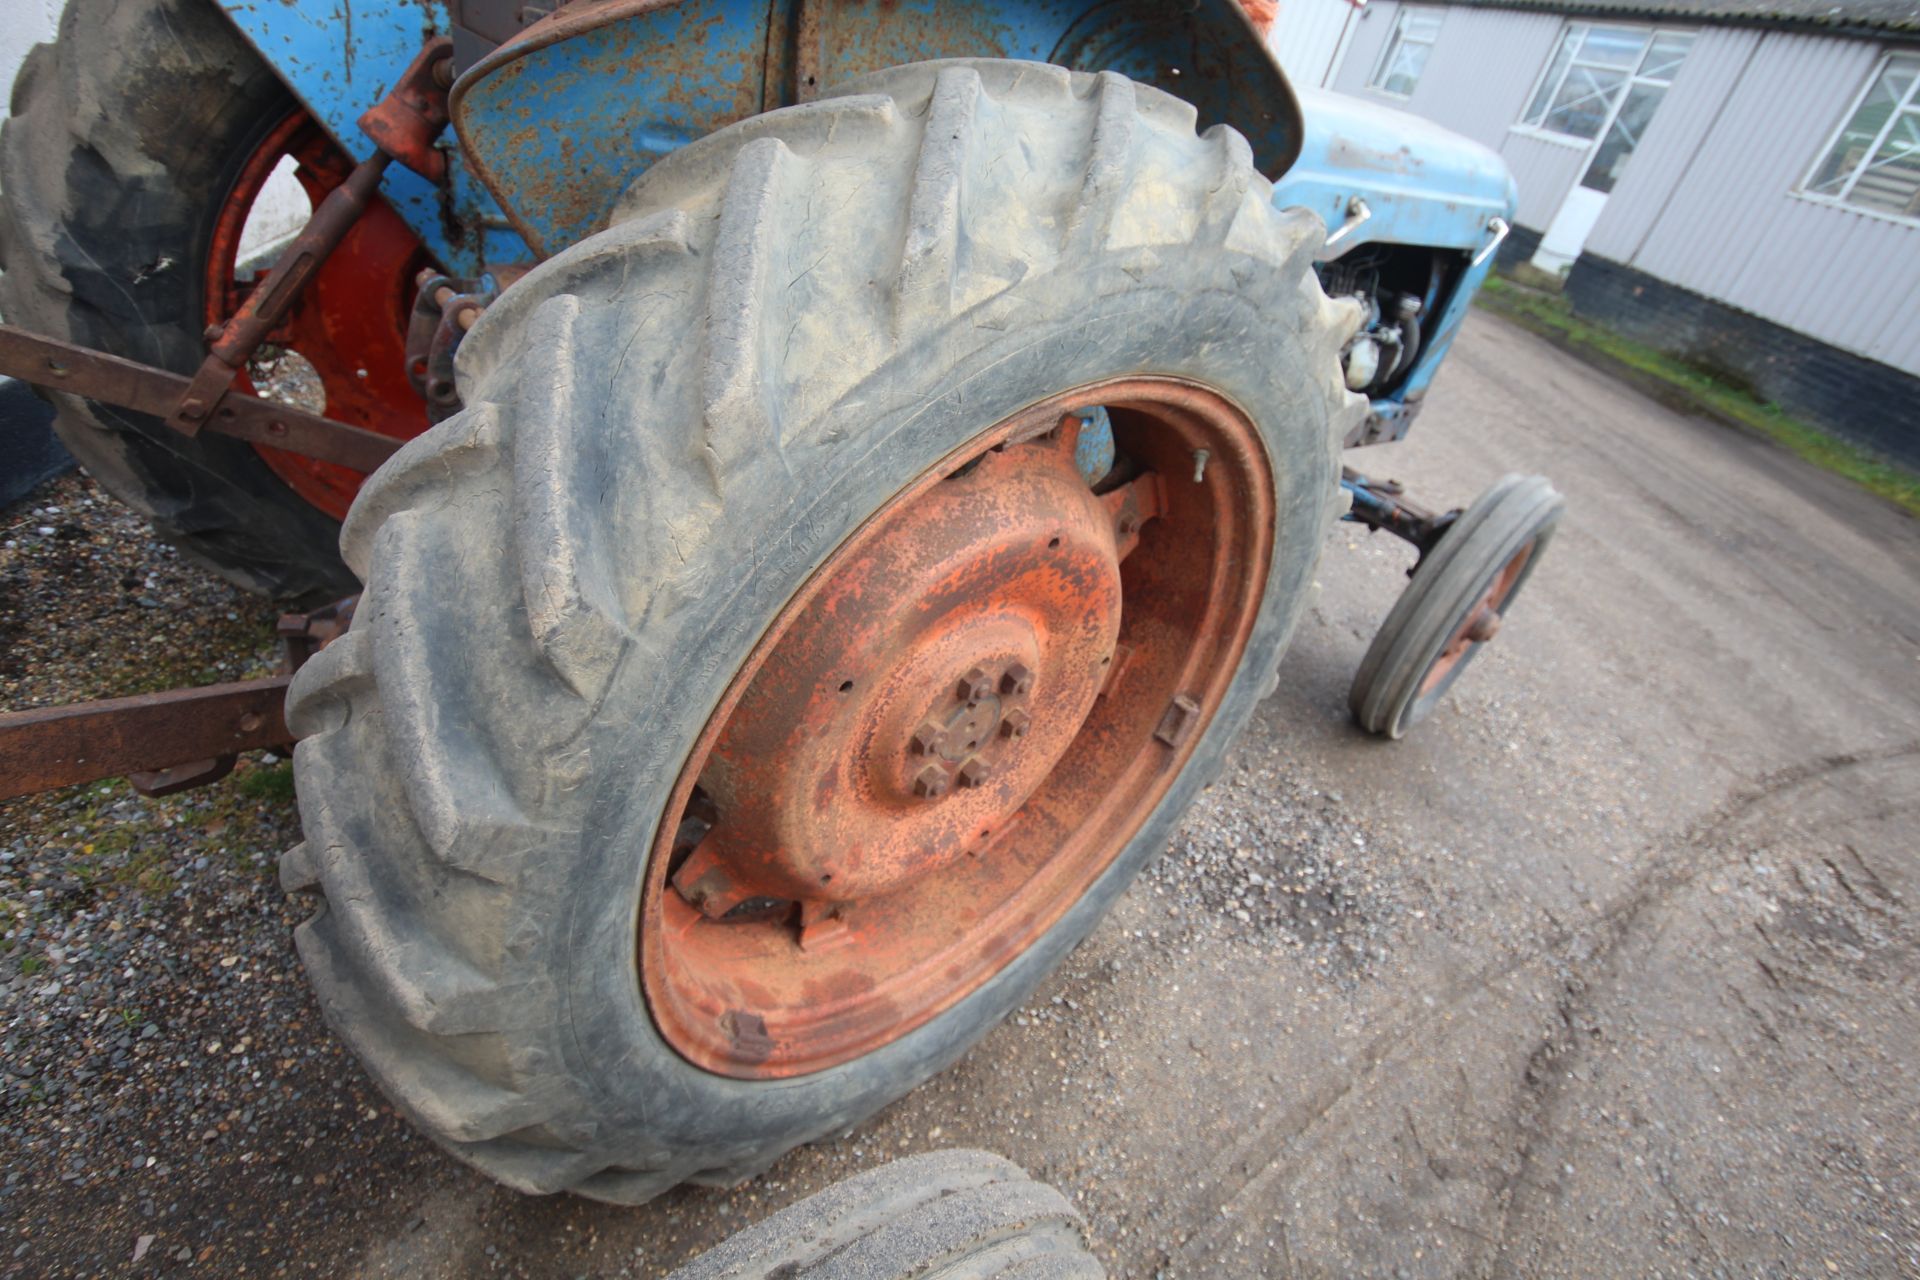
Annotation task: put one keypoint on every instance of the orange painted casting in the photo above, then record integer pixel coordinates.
(952, 729)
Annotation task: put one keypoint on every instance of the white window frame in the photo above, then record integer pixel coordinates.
(1840, 200)
(1377, 82)
(1539, 129)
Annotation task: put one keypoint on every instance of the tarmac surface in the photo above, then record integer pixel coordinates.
(1607, 969)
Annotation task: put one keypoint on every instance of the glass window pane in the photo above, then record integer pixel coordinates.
(1403, 73)
(1550, 82)
(1610, 157)
(1613, 47)
(1891, 180)
(1665, 54)
(1421, 24)
(1900, 75)
(1581, 106)
(1849, 153)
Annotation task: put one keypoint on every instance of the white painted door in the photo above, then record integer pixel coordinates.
(1604, 85)
(1567, 234)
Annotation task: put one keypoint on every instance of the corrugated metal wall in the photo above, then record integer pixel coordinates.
(1708, 201)
(1478, 75)
(1720, 217)
(1476, 82)
(1307, 38)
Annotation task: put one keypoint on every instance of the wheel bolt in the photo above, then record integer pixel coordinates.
(974, 772)
(975, 685)
(1017, 679)
(1015, 724)
(928, 739)
(932, 782)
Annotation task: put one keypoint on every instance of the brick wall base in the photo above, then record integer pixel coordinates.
(1871, 404)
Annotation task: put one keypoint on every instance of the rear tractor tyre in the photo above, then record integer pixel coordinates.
(741, 716)
(135, 149)
(1459, 596)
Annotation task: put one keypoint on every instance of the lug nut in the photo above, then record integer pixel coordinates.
(974, 772)
(1015, 724)
(932, 783)
(975, 685)
(1017, 679)
(1485, 625)
(928, 739)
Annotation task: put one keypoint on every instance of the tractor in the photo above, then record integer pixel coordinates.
(789, 501)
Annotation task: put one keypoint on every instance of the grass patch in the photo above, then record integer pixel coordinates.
(1553, 316)
(271, 783)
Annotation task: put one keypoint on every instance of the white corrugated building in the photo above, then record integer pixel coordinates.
(1734, 181)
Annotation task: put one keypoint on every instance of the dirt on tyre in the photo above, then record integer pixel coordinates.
(777, 668)
(959, 1215)
(124, 169)
(1456, 603)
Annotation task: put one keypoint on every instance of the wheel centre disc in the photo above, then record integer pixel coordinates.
(953, 727)
(933, 686)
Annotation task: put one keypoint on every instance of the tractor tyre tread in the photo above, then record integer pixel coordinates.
(669, 424)
(956, 1215)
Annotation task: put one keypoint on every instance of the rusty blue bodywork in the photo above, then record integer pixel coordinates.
(556, 121)
(1421, 185)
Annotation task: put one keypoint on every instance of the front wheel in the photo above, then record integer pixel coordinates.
(848, 567)
(1459, 596)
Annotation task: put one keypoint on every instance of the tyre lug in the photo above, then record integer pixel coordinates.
(1017, 679)
(931, 783)
(929, 739)
(974, 772)
(1015, 724)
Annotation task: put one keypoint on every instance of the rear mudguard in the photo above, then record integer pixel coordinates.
(560, 118)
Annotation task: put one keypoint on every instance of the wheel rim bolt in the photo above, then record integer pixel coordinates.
(975, 685)
(974, 772)
(1017, 679)
(928, 739)
(1015, 723)
(931, 784)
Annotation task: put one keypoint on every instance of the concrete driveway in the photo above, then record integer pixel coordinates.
(1608, 969)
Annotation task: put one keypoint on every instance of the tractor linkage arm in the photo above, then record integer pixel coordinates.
(1383, 504)
(163, 742)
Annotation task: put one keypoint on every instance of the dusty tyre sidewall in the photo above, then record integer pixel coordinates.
(1105, 323)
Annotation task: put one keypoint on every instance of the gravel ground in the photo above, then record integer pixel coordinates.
(1609, 969)
(164, 1076)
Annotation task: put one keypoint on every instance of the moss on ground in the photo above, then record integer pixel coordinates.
(1553, 317)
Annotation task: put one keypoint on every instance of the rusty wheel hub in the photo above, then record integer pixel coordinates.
(1481, 624)
(952, 729)
(917, 705)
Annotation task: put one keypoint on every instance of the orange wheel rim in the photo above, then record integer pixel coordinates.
(953, 729)
(1481, 623)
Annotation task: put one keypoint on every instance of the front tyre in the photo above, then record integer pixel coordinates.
(1459, 596)
(774, 671)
